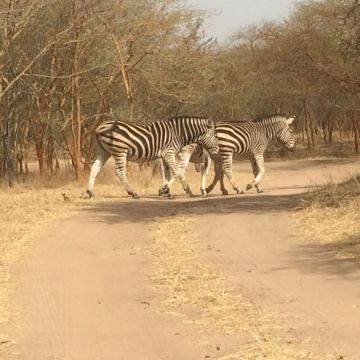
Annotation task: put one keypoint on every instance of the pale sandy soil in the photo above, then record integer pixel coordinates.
(84, 292)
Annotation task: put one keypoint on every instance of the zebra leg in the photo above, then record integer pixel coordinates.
(222, 185)
(184, 158)
(227, 167)
(255, 171)
(177, 172)
(257, 163)
(101, 157)
(120, 170)
(218, 170)
(165, 175)
(204, 168)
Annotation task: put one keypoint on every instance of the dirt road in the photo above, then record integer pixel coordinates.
(83, 291)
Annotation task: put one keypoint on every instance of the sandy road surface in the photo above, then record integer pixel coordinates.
(84, 293)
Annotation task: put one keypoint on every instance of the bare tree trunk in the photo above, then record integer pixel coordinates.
(20, 162)
(356, 131)
(40, 152)
(76, 112)
(340, 130)
(324, 130)
(330, 129)
(9, 158)
(232, 103)
(50, 154)
(312, 131)
(306, 120)
(124, 68)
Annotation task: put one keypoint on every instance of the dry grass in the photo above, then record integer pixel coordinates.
(331, 215)
(197, 292)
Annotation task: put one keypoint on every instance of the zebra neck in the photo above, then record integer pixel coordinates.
(271, 130)
(187, 134)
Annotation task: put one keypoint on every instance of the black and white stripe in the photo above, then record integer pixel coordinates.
(238, 140)
(250, 139)
(144, 142)
(190, 153)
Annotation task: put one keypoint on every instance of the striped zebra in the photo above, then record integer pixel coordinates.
(251, 139)
(144, 142)
(237, 140)
(190, 153)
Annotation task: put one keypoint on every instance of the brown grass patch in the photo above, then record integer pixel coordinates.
(198, 293)
(331, 215)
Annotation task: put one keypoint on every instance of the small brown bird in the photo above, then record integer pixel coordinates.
(66, 198)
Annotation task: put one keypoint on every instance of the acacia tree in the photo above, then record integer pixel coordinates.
(18, 25)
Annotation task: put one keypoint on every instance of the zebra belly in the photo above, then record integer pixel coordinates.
(134, 157)
(238, 156)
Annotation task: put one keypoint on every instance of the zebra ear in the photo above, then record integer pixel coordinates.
(210, 123)
(290, 120)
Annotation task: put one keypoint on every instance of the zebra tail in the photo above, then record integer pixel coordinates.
(197, 167)
(98, 149)
(105, 127)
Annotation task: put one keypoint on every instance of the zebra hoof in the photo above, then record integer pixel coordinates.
(259, 190)
(248, 187)
(135, 196)
(89, 194)
(225, 192)
(240, 192)
(208, 190)
(165, 190)
(203, 193)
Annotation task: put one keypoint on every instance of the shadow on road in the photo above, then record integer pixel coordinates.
(145, 210)
(340, 259)
(309, 257)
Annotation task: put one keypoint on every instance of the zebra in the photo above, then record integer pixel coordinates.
(239, 139)
(144, 142)
(250, 138)
(190, 153)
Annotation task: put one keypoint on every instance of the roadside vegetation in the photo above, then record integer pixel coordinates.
(331, 216)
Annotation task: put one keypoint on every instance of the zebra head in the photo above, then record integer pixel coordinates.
(286, 134)
(198, 130)
(208, 139)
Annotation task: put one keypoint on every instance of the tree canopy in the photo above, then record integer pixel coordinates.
(66, 65)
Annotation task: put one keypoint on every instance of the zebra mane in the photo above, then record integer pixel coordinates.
(270, 119)
(174, 118)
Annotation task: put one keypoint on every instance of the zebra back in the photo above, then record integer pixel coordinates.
(242, 138)
(148, 141)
